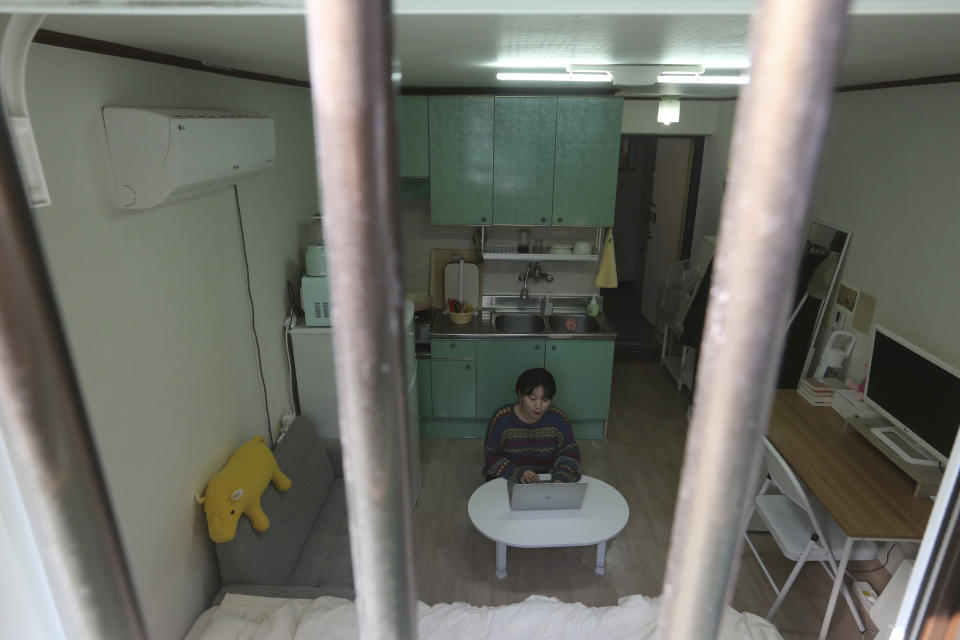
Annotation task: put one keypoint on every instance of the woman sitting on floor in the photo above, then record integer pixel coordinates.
(529, 437)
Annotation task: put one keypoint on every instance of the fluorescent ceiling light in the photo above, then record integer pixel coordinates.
(540, 63)
(556, 77)
(700, 79)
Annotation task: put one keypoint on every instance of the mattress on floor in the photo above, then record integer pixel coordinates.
(536, 618)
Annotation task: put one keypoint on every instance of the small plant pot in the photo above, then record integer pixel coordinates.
(460, 318)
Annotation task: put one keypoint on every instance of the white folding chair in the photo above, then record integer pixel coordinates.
(802, 528)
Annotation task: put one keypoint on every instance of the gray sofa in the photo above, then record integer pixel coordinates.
(305, 553)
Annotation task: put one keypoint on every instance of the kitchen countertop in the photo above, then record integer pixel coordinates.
(480, 327)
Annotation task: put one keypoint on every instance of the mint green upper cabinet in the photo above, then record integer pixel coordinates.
(524, 144)
(585, 175)
(461, 160)
(583, 370)
(413, 153)
(499, 364)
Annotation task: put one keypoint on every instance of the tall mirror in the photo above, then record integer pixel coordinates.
(820, 264)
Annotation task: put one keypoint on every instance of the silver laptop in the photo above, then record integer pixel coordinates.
(546, 494)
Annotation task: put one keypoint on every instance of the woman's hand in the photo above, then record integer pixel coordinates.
(529, 477)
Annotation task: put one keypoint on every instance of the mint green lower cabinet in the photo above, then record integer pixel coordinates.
(465, 381)
(453, 385)
(499, 364)
(583, 370)
(424, 388)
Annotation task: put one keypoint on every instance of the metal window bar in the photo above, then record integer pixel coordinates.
(350, 49)
(931, 605)
(779, 128)
(777, 138)
(46, 430)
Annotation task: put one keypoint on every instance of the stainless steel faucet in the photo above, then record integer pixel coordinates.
(532, 271)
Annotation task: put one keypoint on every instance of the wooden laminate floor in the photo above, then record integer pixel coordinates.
(641, 457)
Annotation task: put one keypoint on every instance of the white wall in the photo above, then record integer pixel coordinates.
(418, 236)
(697, 117)
(889, 175)
(713, 174)
(155, 305)
(886, 175)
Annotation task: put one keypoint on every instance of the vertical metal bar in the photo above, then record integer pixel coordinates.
(350, 66)
(778, 133)
(931, 605)
(45, 428)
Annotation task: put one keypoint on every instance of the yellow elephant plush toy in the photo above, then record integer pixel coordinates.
(236, 489)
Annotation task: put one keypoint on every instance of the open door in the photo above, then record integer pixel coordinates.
(671, 183)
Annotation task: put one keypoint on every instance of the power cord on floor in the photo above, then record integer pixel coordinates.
(885, 561)
(253, 314)
(288, 416)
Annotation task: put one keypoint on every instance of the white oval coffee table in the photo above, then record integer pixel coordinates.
(603, 515)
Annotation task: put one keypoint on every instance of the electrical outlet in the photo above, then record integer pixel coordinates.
(840, 318)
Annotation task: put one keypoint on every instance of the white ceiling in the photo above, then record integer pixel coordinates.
(459, 43)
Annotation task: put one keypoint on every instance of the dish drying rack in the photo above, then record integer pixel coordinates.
(509, 250)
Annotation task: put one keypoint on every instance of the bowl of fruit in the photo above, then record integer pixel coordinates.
(460, 312)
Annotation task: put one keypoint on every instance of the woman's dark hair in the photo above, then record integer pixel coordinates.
(533, 378)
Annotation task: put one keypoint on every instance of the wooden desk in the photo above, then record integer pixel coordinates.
(868, 496)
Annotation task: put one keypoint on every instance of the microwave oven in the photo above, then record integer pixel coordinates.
(315, 296)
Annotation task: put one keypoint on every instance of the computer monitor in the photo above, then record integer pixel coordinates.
(918, 393)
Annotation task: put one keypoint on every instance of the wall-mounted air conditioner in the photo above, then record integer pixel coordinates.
(162, 155)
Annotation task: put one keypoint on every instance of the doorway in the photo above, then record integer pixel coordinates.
(657, 187)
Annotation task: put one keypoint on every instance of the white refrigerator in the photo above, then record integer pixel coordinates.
(316, 387)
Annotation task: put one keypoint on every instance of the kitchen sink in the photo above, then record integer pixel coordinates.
(518, 323)
(573, 324)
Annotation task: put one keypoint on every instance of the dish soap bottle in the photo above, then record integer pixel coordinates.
(592, 307)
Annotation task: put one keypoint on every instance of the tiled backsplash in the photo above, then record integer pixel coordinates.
(501, 277)
(418, 236)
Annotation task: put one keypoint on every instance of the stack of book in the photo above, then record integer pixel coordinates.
(819, 391)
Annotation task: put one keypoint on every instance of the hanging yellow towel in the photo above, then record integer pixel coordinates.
(607, 271)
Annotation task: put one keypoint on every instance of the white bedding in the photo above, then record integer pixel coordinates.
(242, 617)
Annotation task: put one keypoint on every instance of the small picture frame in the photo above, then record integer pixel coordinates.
(847, 297)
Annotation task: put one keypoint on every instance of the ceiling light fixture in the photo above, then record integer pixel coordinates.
(635, 75)
(701, 79)
(669, 111)
(573, 76)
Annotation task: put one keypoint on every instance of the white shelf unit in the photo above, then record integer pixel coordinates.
(542, 257)
(511, 253)
(681, 366)
(683, 282)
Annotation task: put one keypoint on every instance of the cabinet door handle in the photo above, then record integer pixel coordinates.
(553, 347)
(453, 346)
(483, 219)
(543, 219)
(468, 366)
(559, 219)
(537, 347)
